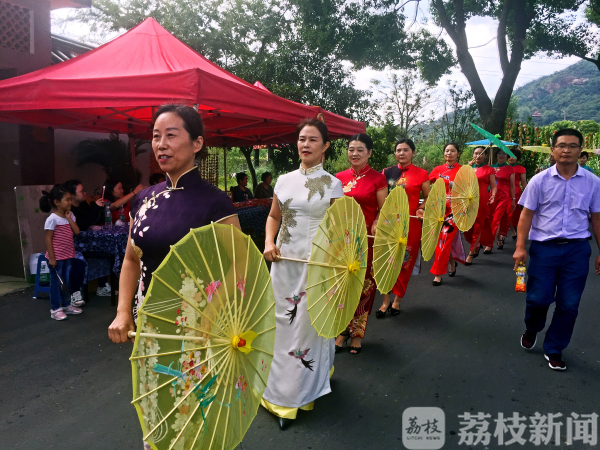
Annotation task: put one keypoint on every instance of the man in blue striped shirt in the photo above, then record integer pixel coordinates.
(556, 205)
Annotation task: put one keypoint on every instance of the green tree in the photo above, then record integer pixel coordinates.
(404, 99)
(458, 112)
(304, 50)
(524, 28)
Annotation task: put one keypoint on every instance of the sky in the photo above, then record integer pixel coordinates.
(481, 33)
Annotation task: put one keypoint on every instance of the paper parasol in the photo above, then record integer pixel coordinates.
(337, 267)
(204, 342)
(390, 240)
(494, 139)
(465, 198)
(433, 218)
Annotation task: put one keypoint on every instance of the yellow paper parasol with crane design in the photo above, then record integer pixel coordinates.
(337, 267)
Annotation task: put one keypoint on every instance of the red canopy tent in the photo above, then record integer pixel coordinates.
(117, 87)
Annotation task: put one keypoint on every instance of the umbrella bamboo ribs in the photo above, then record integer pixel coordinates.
(201, 363)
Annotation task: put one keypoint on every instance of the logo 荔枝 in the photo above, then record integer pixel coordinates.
(423, 428)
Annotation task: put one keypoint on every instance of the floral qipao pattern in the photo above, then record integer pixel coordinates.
(363, 187)
(304, 196)
(164, 213)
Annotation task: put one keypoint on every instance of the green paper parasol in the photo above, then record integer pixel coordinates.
(494, 140)
(204, 342)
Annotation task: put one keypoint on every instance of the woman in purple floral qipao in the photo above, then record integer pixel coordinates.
(163, 214)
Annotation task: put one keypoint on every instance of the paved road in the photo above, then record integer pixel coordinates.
(456, 347)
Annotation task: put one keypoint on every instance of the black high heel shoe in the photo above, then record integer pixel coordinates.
(394, 311)
(453, 273)
(339, 348)
(487, 252)
(284, 423)
(500, 245)
(467, 263)
(381, 314)
(475, 255)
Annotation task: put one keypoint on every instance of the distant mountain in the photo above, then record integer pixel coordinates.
(573, 93)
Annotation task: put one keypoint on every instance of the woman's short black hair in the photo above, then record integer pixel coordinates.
(109, 186)
(455, 145)
(265, 175)
(240, 176)
(57, 193)
(406, 141)
(71, 185)
(364, 138)
(485, 149)
(314, 122)
(517, 153)
(586, 154)
(192, 122)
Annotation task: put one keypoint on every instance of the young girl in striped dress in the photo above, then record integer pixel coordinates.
(59, 226)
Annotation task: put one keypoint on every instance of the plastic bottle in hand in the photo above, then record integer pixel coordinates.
(107, 216)
(521, 271)
(122, 214)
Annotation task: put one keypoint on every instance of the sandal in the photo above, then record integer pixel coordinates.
(339, 348)
(355, 350)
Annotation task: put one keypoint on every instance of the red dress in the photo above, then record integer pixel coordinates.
(115, 213)
(449, 229)
(483, 174)
(516, 214)
(411, 178)
(363, 186)
(501, 204)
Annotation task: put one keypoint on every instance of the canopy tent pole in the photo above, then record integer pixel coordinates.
(225, 167)
(132, 150)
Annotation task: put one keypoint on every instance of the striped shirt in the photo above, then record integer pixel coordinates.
(62, 240)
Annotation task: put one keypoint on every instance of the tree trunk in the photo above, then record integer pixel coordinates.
(270, 153)
(256, 157)
(247, 152)
(493, 114)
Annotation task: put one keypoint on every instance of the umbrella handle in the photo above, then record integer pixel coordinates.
(312, 263)
(132, 335)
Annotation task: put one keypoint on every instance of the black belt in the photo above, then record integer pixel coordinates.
(561, 241)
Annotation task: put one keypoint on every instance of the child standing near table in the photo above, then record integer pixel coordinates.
(59, 226)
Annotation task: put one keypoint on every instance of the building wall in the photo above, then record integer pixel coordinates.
(28, 152)
(39, 54)
(10, 176)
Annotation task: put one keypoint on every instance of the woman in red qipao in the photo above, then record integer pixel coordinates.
(504, 204)
(413, 180)
(445, 255)
(520, 185)
(486, 179)
(369, 188)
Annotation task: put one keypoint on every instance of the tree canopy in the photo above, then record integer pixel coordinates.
(524, 28)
